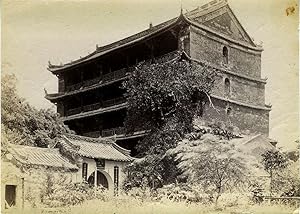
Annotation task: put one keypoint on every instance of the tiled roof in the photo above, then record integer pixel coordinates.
(189, 17)
(102, 148)
(41, 156)
(255, 145)
(107, 48)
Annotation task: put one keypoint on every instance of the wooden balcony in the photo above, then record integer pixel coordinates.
(90, 82)
(92, 107)
(94, 134)
(112, 102)
(95, 106)
(113, 131)
(118, 74)
(73, 111)
(115, 75)
(74, 87)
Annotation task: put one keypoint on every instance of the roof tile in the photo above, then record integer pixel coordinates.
(41, 156)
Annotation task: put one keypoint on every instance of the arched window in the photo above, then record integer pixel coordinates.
(225, 55)
(116, 179)
(227, 87)
(228, 111)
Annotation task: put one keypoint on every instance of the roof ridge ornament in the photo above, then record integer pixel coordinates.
(150, 25)
(181, 10)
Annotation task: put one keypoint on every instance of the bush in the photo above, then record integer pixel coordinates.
(74, 194)
(182, 193)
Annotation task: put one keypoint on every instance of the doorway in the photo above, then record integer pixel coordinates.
(10, 196)
(101, 179)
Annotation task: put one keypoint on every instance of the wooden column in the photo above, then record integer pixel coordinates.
(81, 77)
(81, 103)
(127, 61)
(61, 83)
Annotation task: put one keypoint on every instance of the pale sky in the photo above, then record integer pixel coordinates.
(35, 31)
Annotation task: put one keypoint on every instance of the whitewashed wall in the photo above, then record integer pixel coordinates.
(108, 171)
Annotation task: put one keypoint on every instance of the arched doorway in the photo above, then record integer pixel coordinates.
(101, 179)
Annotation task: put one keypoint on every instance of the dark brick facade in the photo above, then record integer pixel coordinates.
(242, 69)
(248, 120)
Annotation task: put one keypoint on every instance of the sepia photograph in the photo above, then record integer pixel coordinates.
(161, 106)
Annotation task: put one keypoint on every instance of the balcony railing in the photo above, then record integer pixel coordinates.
(73, 111)
(93, 134)
(74, 87)
(91, 81)
(165, 57)
(113, 131)
(95, 106)
(92, 107)
(118, 74)
(113, 102)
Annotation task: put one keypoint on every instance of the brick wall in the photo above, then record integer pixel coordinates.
(241, 89)
(245, 118)
(240, 60)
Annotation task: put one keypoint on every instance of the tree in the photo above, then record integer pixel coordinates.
(214, 164)
(22, 123)
(164, 97)
(159, 92)
(272, 161)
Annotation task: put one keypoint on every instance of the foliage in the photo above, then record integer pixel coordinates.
(182, 192)
(73, 194)
(164, 98)
(273, 160)
(166, 90)
(257, 192)
(151, 171)
(216, 165)
(22, 123)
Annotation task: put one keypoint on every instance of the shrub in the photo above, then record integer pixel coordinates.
(74, 194)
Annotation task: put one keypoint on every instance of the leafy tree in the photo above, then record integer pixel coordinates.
(286, 182)
(164, 97)
(159, 92)
(22, 123)
(215, 165)
(272, 161)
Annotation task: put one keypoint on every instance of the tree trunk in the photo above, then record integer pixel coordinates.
(271, 182)
(218, 196)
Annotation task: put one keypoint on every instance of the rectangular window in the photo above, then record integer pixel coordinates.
(116, 179)
(10, 196)
(84, 171)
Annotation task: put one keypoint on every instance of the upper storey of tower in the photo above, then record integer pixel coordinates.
(214, 20)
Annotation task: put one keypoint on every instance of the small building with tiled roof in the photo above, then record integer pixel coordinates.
(100, 160)
(25, 169)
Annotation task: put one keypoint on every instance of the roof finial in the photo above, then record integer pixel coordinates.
(181, 10)
(150, 25)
